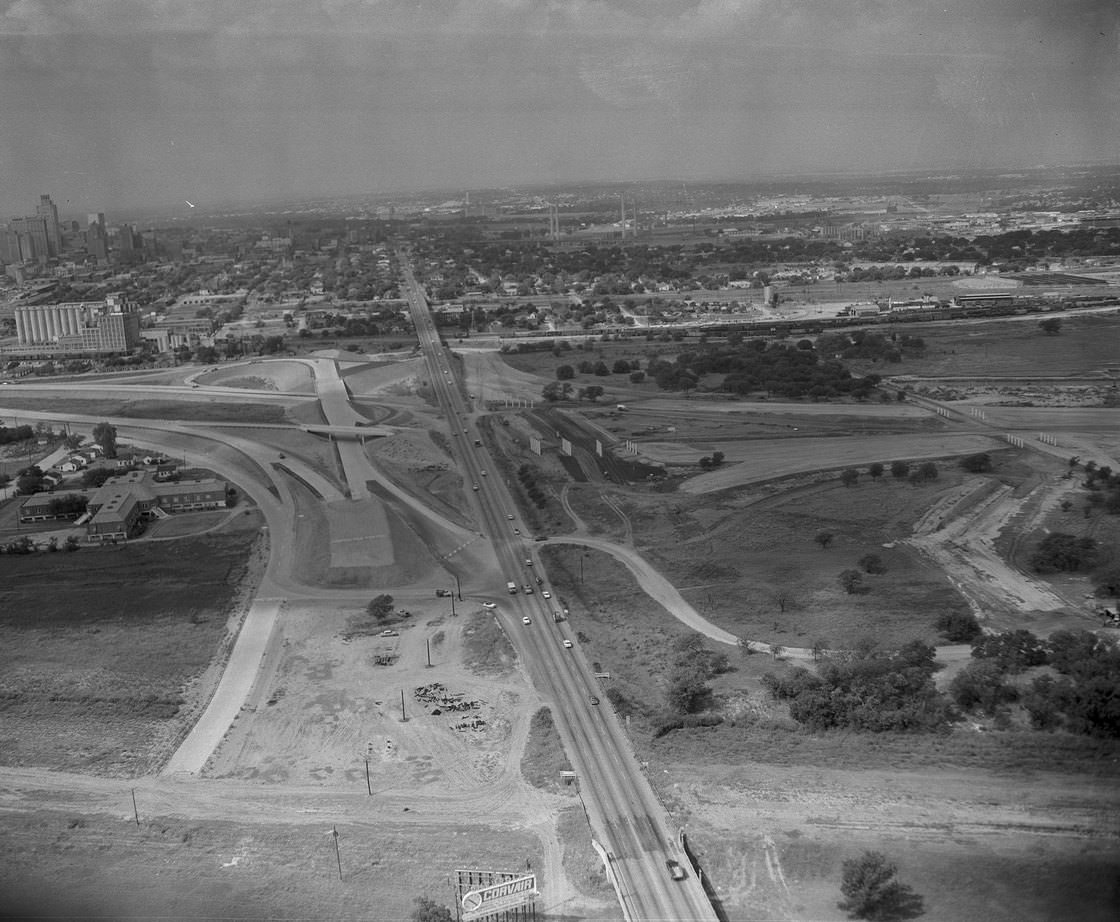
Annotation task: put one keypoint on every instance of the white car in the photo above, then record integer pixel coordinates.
(567, 645)
(490, 606)
(526, 620)
(508, 516)
(547, 594)
(517, 531)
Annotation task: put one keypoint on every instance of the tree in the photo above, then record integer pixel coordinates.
(717, 458)
(900, 470)
(875, 471)
(105, 435)
(872, 563)
(979, 463)
(94, 477)
(565, 372)
(927, 470)
(689, 691)
(1051, 326)
(72, 441)
(958, 626)
(852, 581)
(849, 476)
(1012, 651)
(872, 892)
(380, 608)
(824, 539)
(71, 543)
(980, 685)
(430, 911)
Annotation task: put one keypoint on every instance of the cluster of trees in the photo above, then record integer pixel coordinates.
(1104, 487)
(527, 474)
(1080, 698)
(24, 545)
(852, 579)
(709, 462)
(753, 366)
(10, 434)
(866, 690)
(869, 345)
(1061, 552)
(692, 666)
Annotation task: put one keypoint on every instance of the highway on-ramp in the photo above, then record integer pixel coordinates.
(628, 820)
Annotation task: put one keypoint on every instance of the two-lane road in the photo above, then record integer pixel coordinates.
(628, 820)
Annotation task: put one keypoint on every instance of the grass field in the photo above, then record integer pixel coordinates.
(170, 868)
(181, 411)
(100, 645)
(1086, 343)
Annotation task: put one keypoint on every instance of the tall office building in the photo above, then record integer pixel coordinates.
(97, 238)
(48, 211)
(32, 238)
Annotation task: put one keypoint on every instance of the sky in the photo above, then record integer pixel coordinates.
(110, 104)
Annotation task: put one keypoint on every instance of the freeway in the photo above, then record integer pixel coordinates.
(628, 820)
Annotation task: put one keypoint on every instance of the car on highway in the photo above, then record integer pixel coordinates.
(594, 699)
(547, 594)
(517, 531)
(489, 606)
(526, 620)
(509, 516)
(475, 488)
(483, 473)
(567, 644)
(675, 869)
(389, 633)
(528, 589)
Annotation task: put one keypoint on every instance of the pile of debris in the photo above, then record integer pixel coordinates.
(437, 694)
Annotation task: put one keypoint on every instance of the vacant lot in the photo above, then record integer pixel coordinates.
(753, 566)
(70, 865)
(187, 410)
(1086, 343)
(101, 645)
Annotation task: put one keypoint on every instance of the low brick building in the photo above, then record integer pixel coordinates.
(118, 507)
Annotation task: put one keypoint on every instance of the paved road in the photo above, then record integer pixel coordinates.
(627, 819)
(232, 691)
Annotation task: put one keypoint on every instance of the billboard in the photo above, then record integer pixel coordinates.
(485, 894)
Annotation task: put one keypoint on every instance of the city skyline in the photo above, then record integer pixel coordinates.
(116, 105)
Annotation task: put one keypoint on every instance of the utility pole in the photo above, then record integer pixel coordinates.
(404, 717)
(458, 585)
(135, 812)
(337, 854)
(428, 646)
(369, 787)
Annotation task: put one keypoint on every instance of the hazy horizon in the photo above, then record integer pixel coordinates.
(122, 104)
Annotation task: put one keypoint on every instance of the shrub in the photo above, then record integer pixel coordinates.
(872, 563)
(980, 686)
(979, 463)
(1012, 651)
(958, 626)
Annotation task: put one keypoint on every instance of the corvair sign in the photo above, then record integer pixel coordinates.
(499, 897)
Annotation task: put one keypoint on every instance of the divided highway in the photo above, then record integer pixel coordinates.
(628, 820)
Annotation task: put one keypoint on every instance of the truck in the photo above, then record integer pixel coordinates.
(511, 587)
